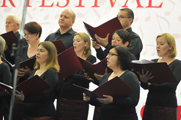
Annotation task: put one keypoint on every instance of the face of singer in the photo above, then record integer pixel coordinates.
(116, 40)
(66, 19)
(11, 25)
(30, 37)
(112, 59)
(124, 20)
(162, 47)
(41, 55)
(79, 44)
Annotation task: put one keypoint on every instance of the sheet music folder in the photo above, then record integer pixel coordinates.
(115, 87)
(160, 71)
(69, 63)
(90, 68)
(59, 45)
(29, 63)
(10, 38)
(108, 27)
(31, 86)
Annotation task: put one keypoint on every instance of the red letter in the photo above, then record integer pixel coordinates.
(64, 5)
(28, 5)
(95, 4)
(150, 5)
(80, 4)
(43, 4)
(138, 2)
(112, 3)
(4, 2)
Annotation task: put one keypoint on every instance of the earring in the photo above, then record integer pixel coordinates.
(37, 38)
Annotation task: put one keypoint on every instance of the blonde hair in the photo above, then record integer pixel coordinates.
(2, 45)
(171, 41)
(86, 38)
(52, 61)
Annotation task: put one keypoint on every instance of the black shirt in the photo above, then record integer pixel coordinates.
(67, 38)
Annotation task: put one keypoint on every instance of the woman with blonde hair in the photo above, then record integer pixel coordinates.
(70, 103)
(41, 106)
(161, 103)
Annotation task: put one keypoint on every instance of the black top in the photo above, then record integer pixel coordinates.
(69, 90)
(164, 94)
(41, 105)
(5, 77)
(122, 108)
(67, 38)
(24, 55)
(8, 51)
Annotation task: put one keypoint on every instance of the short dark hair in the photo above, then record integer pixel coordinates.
(124, 34)
(130, 13)
(124, 57)
(33, 27)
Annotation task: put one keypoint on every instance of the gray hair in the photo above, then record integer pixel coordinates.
(16, 18)
(2, 45)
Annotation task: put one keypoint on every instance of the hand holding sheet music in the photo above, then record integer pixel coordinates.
(105, 28)
(160, 71)
(115, 88)
(31, 86)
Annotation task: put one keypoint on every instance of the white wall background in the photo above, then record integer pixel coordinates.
(148, 23)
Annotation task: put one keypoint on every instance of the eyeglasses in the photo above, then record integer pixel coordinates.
(122, 17)
(112, 54)
(27, 35)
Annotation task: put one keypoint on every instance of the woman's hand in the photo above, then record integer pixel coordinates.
(98, 76)
(102, 41)
(106, 100)
(87, 77)
(86, 98)
(20, 96)
(23, 71)
(145, 77)
(95, 44)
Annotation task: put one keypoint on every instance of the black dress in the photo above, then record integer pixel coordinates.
(70, 104)
(121, 108)
(161, 101)
(42, 105)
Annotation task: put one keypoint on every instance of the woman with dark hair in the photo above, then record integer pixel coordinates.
(40, 106)
(70, 103)
(32, 33)
(161, 103)
(113, 108)
(120, 37)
